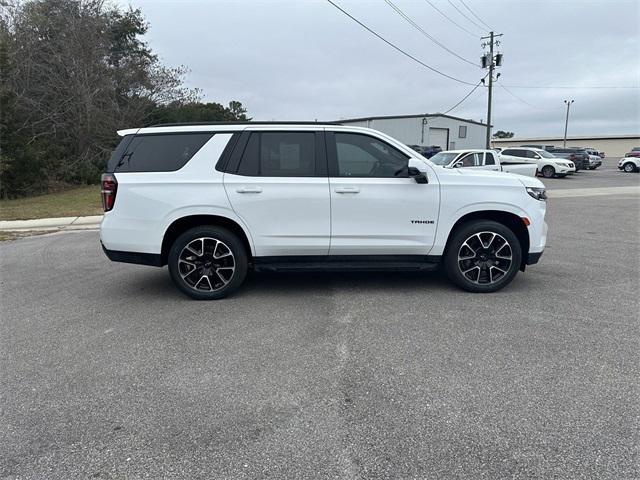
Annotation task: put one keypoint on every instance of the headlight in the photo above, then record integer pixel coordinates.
(537, 193)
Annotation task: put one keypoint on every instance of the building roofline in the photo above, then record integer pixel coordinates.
(556, 139)
(429, 115)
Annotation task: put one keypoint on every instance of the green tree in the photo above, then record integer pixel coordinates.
(502, 134)
(72, 72)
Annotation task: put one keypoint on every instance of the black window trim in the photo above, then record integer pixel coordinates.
(233, 164)
(332, 154)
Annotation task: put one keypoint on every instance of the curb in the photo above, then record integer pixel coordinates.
(51, 224)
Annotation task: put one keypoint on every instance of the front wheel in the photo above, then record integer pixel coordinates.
(208, 262)
(629, 167)
(482, 256)
(548, 171)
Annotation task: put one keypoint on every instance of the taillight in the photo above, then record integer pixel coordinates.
(109, 189)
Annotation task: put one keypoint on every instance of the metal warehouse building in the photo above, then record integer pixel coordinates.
(424, 129)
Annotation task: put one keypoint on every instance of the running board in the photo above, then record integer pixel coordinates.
(360, 263)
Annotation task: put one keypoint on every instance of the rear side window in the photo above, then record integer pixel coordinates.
(488, 159)
(157, 152)
(279, 154)
(515, 153)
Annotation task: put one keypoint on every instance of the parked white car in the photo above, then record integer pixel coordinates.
(548, 165)
(213, 201)
(629, 164)
(483, 160)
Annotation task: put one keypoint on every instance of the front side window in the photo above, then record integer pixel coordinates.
(279, 154)
(364, 156)
(462, 131)
(471, 160)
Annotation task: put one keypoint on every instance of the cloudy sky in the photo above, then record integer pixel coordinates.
(305, 60)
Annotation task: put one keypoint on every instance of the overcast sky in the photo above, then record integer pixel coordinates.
(305, 60)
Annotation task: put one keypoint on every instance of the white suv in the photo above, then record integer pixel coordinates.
(548, 164)
(215, 200)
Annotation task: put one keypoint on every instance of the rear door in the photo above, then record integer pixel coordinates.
(376, 208)
(277, 184)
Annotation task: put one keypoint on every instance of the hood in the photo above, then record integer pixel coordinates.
(504, 177)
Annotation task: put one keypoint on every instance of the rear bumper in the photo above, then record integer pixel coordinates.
(151, 259)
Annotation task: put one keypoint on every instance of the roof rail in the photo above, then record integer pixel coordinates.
(242, 122)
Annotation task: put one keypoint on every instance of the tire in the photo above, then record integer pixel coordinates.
(474, 236)
(592, 168)
(629, 167)
(217, 258)
(548, 171)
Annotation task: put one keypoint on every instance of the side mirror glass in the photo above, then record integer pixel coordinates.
(417, 175)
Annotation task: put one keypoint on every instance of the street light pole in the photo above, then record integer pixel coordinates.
(566, 122)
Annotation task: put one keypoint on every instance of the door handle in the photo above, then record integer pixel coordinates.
(249, 189)
(347, 190)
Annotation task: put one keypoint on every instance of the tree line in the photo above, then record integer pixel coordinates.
(72, 73)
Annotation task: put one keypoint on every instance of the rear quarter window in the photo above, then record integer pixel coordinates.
(156, 152)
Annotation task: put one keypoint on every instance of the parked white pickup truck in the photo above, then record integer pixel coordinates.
(482, 159)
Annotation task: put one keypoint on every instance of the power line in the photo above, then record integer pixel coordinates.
(465, 97)
(524, 101)
(392, 45)
(451, 20)
(421, 30)
(465, 16)
(574, 87)
(472, 13)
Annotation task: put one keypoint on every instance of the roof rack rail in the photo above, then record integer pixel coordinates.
(242, 122)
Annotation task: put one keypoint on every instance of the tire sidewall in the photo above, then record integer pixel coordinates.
(457, 239)
(222, 234)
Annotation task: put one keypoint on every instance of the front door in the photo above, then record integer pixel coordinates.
(376, 208)
(280, 190)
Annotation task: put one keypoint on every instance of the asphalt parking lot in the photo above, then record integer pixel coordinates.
(107, 371)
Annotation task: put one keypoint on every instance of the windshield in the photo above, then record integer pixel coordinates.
(443, 158)
(544, 154)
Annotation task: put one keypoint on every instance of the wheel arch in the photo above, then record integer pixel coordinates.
(508, 219)
(182, 224)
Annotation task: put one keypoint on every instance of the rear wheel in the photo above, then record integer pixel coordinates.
(482, 256)
(629, 167)
(548, 171)
(208, 262)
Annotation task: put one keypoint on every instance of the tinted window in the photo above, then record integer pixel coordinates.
(488, 159)
(279, 154)
(515, 153)
(118, 152)
(157, 153)
(532, 154)
(365, 156)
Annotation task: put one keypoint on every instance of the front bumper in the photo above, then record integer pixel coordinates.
(533, 257)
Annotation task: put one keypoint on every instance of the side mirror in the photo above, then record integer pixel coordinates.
(458, 164)
(417, 175)
(536, 157)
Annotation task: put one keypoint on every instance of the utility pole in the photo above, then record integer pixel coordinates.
(491, 62)
(566, 121)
